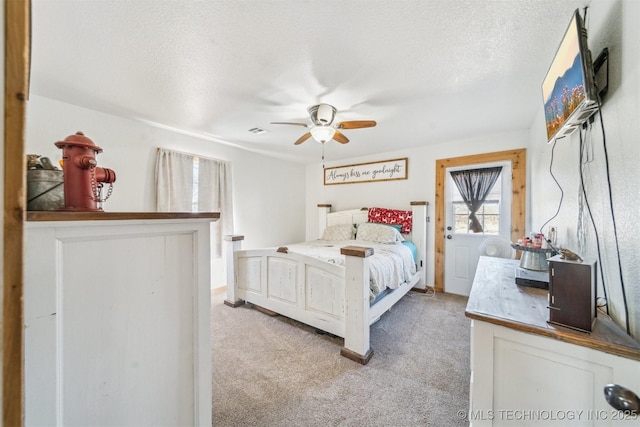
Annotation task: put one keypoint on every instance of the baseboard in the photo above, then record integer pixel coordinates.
(424, 290)
(218, 290)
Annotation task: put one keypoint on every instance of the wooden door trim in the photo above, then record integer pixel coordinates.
(16, 84)
(518, 199)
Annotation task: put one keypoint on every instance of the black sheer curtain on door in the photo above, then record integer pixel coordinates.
(474, 186)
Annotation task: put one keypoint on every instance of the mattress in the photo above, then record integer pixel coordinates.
(391, 264)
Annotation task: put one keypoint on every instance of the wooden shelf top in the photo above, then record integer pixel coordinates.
(116, 216)
(497, 299)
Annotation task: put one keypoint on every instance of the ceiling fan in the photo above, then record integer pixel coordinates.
(322, 128)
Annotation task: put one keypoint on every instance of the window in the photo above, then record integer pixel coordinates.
(488, 215)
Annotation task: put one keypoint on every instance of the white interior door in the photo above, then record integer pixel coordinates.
(461, 245)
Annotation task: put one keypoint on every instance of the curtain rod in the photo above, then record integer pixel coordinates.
(194, 155)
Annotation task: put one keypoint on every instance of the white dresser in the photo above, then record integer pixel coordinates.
(117, 315)
(525, 371)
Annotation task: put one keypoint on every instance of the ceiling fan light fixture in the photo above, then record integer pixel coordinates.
(323, 129)
(322, 114)
(326, 113)
(322, 134)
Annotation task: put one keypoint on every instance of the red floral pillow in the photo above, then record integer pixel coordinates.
(393, 217)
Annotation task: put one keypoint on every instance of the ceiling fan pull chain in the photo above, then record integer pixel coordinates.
(323, 155)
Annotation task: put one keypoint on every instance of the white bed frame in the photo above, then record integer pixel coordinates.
(319, 294)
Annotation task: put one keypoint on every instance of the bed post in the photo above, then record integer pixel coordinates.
(232, 244)
(356, 310)
(419, 238)
(323, 211)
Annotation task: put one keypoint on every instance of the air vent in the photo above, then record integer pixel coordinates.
(257, 131)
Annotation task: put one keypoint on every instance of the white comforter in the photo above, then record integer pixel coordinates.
(390, 265)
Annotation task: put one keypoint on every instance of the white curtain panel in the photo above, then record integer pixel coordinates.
(174, 190)
(174, 181)
(214, 195)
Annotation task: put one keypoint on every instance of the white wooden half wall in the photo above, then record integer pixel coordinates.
(117, 317)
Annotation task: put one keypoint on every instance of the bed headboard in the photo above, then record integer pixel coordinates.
(418, 233)
(351, 216)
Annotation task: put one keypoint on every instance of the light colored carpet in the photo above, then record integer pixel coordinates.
(273, 371)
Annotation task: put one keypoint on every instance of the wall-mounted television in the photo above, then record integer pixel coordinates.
(569, 92)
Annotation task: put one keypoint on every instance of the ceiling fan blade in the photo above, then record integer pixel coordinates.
(356, 124)
(303, 138)
(340, 138)
(290, 123)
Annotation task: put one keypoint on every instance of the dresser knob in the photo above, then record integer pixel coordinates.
(622, 398)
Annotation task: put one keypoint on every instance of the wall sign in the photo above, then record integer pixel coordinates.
(387, 170)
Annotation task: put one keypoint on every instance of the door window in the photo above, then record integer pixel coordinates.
(488, 215)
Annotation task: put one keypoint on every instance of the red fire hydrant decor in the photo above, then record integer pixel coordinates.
(83, 179)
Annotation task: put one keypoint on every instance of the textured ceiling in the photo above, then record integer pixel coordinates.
(427, 71)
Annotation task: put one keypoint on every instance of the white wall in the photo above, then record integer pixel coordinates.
(612, 24)
(268, 193)
(420, 184)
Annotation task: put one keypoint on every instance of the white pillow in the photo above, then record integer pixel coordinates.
(378, 233)
(339, 232)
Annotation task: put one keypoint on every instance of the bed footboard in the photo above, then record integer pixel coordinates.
(232, 244)
(325, 296)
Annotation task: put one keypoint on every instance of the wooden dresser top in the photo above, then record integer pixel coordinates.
(116, 216)
(497, 299)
